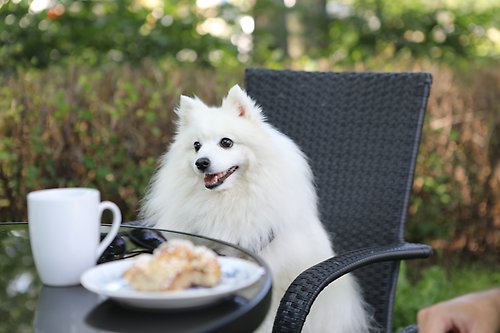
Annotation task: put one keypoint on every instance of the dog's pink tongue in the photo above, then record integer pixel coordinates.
(210, 179)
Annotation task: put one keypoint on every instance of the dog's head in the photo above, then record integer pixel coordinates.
(217, 139)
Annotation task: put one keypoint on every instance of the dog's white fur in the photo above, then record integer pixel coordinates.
(268, 205)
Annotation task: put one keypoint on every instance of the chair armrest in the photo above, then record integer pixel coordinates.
(300, 295)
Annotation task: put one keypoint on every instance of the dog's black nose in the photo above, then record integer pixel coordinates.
(202, 163)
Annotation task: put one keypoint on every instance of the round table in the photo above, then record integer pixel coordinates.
(29, 306)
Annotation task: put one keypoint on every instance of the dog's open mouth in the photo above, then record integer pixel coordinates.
(212, 180)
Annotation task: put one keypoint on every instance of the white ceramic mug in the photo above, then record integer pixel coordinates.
(64, 227)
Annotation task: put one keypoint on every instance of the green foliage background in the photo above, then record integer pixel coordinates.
(438, 283)
(87, 89)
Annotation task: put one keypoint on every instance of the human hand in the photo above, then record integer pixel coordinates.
(472, 313)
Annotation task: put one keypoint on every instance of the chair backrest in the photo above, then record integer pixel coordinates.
(361, 132)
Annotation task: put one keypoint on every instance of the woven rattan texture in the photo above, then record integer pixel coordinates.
(307, 286)
(361, 133)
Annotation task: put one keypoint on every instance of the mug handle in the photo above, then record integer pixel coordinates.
(117, 219)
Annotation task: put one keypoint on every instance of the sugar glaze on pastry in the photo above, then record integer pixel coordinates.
(174, 265)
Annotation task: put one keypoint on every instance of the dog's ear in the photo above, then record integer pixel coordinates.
(186, 104)
(186, 107)
(237, 100)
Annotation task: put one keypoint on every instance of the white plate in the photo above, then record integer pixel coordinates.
(106, 280)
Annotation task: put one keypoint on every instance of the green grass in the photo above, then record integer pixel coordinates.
(421, 287)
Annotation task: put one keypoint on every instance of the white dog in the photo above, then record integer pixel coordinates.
(230, 175)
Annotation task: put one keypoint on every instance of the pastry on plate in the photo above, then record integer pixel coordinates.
(174, 265)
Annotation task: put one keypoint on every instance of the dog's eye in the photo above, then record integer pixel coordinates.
(226, 143)
(197, 146)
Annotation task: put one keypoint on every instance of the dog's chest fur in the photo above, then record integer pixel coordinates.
(247, 219)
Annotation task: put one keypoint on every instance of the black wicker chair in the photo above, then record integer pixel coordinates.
(361, 132)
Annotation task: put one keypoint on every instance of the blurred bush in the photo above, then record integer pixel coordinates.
(87, 89)
(105, 127)
(347, 32)
(101, 31)
(225, 33)
(457, 184)
(77, 126)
